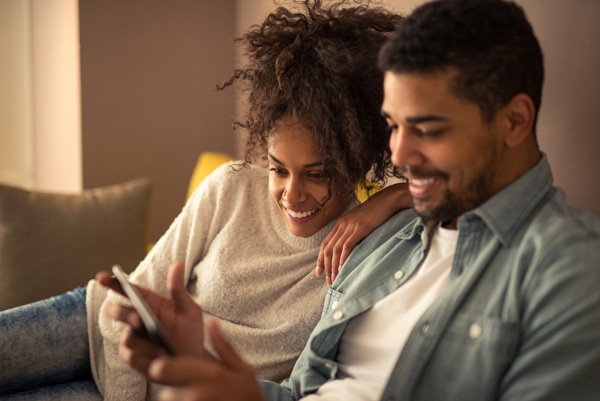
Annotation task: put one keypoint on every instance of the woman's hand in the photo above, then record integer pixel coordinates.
(181, 318)
(357, 224)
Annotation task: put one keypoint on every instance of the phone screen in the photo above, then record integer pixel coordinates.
(152, 324)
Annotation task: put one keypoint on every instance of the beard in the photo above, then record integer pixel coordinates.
(454, 203)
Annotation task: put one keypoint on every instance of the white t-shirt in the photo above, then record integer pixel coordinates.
(372, 342)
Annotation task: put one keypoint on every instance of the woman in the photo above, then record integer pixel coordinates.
(314, 94)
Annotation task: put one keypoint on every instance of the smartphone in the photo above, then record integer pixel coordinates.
(151, 322)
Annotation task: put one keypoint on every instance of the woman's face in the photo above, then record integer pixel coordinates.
(298, 182)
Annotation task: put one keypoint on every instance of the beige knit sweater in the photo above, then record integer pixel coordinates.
(241, 264)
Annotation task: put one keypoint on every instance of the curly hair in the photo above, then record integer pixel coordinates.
(489, 43)
(318, 65)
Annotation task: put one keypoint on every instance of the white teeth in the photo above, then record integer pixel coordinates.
(300, 215)
(420, 182)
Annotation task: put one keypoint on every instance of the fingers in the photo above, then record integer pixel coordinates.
(178, 371)
(178, 290)
(225, 351)
(107, 280)
(187, 320)
(192, 379)
(323, 259)
(207, 378)
(124, 314)
(334, 251)
(328, 259)
(137, 350)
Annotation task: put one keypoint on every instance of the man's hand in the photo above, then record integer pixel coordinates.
(181, 318)
(357, 224)
(202, 379)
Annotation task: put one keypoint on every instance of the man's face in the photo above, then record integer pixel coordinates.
(450, 156)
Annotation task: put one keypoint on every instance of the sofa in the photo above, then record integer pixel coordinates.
(51, 243)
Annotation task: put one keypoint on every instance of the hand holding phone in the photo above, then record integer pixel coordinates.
(151, 322)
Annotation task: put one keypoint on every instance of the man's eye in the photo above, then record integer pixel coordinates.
(424, 133)
(391, 128)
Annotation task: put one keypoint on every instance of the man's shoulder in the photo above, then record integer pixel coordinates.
(559, 237)
(556, 221)
(405, 220)
(404, 224)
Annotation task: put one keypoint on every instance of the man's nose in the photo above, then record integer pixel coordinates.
(405, 148)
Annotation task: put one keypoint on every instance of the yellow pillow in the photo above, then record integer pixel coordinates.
(207, 162)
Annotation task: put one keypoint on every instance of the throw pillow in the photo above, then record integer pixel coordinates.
(51, 243)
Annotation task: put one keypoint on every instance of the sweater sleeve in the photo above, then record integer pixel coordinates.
(185, 240)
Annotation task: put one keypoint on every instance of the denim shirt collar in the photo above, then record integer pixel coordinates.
(504, 212)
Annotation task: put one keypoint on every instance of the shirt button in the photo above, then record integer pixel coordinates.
(399, 274)
(475, 330)
(334, 305)
(425, 328)
(338, 315)
(329, 365)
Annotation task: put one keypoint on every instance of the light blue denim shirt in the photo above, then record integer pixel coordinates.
(519, 319)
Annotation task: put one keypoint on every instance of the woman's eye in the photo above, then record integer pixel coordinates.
(391, 128)
(318, 176)
(277, 170)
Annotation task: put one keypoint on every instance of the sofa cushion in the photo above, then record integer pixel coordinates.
(53, 242)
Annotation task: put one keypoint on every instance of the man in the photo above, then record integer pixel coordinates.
(491, 291)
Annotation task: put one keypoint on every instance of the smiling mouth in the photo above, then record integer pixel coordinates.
(420, 182)
(300, 215)
(421, 187)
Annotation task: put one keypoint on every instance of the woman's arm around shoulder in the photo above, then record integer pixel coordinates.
(354, 226)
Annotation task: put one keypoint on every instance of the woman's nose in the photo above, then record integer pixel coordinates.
(294, 191)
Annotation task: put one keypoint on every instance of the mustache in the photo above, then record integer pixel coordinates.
(417, 172)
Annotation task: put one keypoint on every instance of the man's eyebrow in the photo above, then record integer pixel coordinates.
(315, 164)
(417, 119)
(425, 119)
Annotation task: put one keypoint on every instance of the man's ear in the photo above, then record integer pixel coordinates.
(519, 114)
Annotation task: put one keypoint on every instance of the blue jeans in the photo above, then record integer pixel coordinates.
(44, 351)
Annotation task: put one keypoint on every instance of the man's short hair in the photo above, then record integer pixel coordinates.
(489, 44)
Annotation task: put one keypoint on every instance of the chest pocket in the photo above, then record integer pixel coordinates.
(472, 355)
(332, 299)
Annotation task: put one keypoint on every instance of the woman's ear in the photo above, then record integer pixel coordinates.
(519, 114)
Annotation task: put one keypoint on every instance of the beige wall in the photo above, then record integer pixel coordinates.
(570, 116)
(569, 119)
(16, 155)
(149, 103)
(40, 135)
(149, 106)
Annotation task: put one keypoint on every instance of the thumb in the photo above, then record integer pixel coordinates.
(177, 289)
(225, 350)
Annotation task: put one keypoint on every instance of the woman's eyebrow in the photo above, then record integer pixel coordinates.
(315, 164)
(276, 160)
